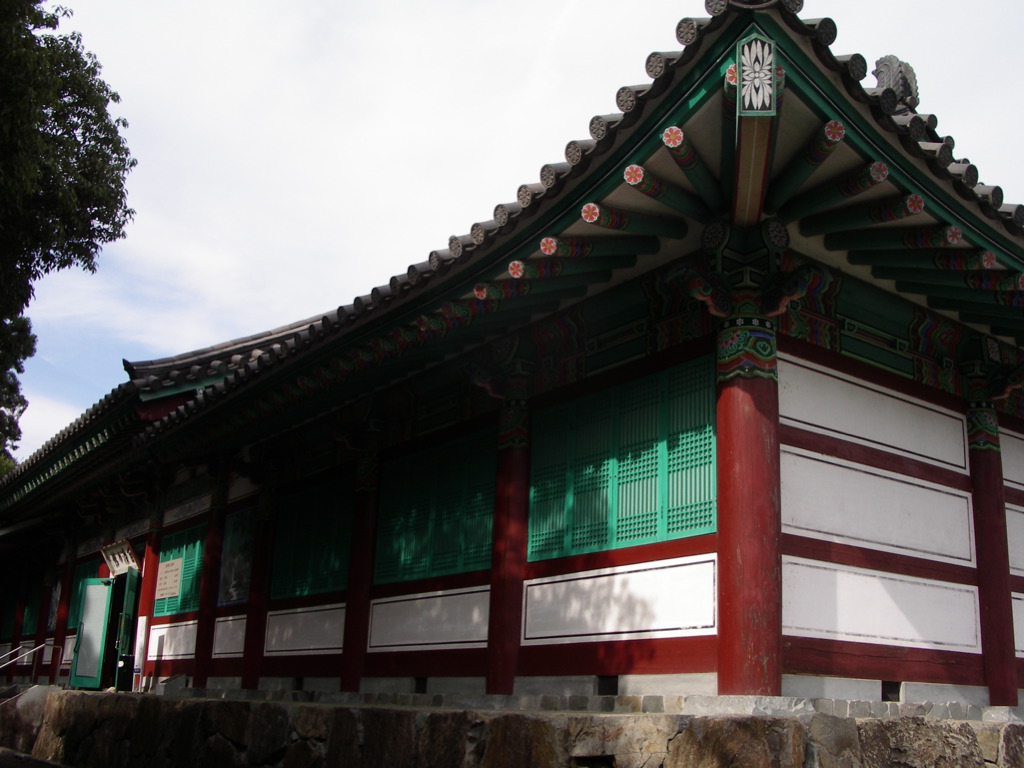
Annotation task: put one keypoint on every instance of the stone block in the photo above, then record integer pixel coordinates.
(914, 742)
(343, 743)
(833, 742)
(627, 740)
(652, 704)
(444, 738)
(303, 754)
(268, 733)
(1011, 746)
(989, 738)
(579, 703)
(517, 740)
(824, 706)
(860, 709)
(311, 721)
(628, 704)
(229, 719)
(751, 742)
(389, 737)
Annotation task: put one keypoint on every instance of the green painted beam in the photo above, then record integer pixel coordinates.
(606, 217)
(546, 268)
(696, 170)
(665, 192)
(858, 216)
(584, 247)
(916, 238)
(835, 192)
(819, 149)
(975, 307)
(954, 260)
(983, 279)
(994, 298)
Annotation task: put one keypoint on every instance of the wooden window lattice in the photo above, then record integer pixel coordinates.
(631, 465)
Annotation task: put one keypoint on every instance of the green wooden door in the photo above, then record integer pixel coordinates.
(91, 641)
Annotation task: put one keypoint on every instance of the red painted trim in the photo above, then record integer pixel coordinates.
(876, 458)
(1013, 496)
(682, 655)
(308, 601)
(861, 557)
(861, 370)
(812, 656)
(435, 584)
(147, 590)
(648, 553)
(154, 410)
(466, 662)
(991, 545)
(1010, 423)
(325, 665)
(1017, 585)
(749, 532)
(510, 533)
(63, 611)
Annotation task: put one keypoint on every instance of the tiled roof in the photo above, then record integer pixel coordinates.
(448, 273)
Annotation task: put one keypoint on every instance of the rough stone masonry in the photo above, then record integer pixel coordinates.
(113, 730)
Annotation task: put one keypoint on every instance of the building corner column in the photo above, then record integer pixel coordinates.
(992, 550)
(360, 576)
(749, 508)
(509, 546)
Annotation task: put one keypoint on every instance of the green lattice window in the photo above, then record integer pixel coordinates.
(236, 557)
(436, 508)
(90, 569)
(30, 618)
(631, 465)
(186, 545)
(312, 540)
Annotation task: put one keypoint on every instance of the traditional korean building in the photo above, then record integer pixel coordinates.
(726, 401)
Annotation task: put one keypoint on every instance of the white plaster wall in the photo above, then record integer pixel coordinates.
(305, 631)
(1011, 446)
(668, 598)
(447, 619)
(1015, 538)
(839, 602)
(229, 637)
(834, 500)
(172, 641)
(828, 402)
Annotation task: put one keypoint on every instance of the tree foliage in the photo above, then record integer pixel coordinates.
(63, 166)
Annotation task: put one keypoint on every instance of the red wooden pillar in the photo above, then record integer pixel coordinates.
(259, 590)
(509, 536)
(60, 632)
(209, 587)
(749, 515)
(360, 573)
(147, 591)
(993, 556)
(38, 657)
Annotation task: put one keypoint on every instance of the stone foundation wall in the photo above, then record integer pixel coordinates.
(113, 730)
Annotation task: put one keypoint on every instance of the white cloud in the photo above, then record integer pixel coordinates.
(294, 157)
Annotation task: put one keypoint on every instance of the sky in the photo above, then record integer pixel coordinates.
(294, 156)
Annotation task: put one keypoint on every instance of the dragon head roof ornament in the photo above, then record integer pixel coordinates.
(899, 76)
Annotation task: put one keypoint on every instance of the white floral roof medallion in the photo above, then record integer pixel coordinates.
(756, 57)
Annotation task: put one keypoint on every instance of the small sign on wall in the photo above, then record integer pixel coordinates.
(168, 579)
(120, 557)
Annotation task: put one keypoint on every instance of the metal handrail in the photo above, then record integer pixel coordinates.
(29, 653)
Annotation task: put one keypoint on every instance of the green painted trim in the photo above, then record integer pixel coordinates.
(806, 79)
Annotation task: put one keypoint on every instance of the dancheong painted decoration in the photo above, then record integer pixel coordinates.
(728, 400)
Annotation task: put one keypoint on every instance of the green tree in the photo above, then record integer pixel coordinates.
(63, 166)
